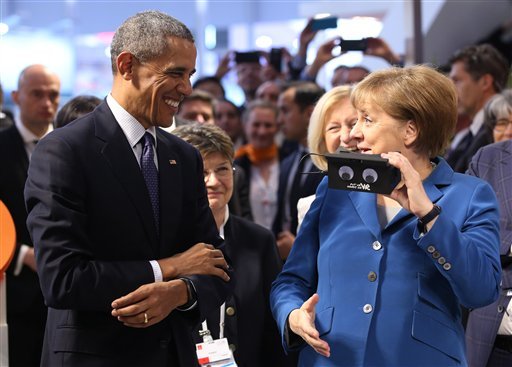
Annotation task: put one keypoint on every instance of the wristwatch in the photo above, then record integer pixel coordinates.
(427, 218)
(192, 296)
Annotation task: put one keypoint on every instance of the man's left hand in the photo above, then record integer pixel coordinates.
(149, 304)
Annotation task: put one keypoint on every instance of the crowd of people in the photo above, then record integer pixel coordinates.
(163, 217)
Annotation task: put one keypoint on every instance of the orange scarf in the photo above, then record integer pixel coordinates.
(257, 156)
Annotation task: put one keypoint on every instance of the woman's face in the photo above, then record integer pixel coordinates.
(503, 129)
(218, 178)
(376, 132)
(261, 127)
(339, 121)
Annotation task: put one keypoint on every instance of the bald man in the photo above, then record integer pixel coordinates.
(37, 97)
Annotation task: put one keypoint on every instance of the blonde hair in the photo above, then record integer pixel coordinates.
(316, 129)
(417, 93)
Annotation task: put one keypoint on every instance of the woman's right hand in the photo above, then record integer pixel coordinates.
(302, 323)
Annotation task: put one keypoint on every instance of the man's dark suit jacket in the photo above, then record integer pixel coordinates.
(7, 120)
(493, 163)
(249, 324)
(91, 220)
(460, 157)
(307, 188)
(24, 297)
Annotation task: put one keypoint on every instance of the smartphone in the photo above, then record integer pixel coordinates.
(251, 56)
(354, 45)
(276, 59)
(324, 23)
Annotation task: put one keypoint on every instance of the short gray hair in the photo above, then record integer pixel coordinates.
(497, 108)
(145, 35)
(207, 138)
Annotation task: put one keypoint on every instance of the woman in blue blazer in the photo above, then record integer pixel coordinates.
(377, 280)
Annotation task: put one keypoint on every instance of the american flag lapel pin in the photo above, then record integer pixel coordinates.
(172, 161)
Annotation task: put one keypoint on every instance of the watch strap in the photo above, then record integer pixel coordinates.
(427, 218)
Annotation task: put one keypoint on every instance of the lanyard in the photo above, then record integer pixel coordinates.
(206, 333)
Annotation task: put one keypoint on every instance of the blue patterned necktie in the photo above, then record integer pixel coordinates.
(150, 173)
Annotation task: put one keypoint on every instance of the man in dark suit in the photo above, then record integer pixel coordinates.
(295, 103)
(489, 329)
(119, 215)
(37, 97)
(478, 72)
(6, 118)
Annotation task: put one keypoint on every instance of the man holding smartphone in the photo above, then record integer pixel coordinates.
(349, 74)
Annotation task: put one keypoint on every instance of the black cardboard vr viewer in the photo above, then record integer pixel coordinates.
(361, 172)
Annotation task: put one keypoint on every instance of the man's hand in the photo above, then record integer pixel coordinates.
(30, 259)
(378, 47)
(306, 36)
(149, 304)
(323, 56)
(224, 65)
(302, 323)
(284, 242)
(199, 259)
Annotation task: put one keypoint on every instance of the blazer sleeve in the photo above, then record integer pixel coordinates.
(471, 251)
(70, 276)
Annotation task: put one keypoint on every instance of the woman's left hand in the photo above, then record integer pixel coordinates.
(409, 192)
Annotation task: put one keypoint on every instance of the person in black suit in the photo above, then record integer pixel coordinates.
(74, 108)
(37, 97)
(118, 213)
(296, 104)
(6, 117)
(479, 73)
(248, 323)
(489, 328)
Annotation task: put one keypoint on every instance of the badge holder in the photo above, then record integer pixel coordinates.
(215, 352)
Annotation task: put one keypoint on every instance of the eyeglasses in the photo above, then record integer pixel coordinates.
(502, 125)
(221, 172)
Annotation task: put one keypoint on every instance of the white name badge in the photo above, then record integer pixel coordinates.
(215, 353)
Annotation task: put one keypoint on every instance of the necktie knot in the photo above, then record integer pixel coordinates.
(148, 140)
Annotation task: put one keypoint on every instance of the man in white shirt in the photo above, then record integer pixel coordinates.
(37, 98)
(119, 215)
(479, 73)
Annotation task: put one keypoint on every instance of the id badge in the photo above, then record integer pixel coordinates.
(215, 353)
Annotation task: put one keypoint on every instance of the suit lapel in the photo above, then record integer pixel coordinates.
(170, 173)
(119, 155)
(18, 150)
(441, 176)
(365, 205)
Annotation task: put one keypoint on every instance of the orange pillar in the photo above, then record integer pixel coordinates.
(7, 248)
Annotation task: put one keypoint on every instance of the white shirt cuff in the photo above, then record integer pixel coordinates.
(21, 256)
(157, 272)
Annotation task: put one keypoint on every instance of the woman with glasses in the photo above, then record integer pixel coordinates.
(498, 115)
(378, 280)
(245, 318)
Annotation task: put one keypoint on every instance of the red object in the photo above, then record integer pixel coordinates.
(7, 238)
